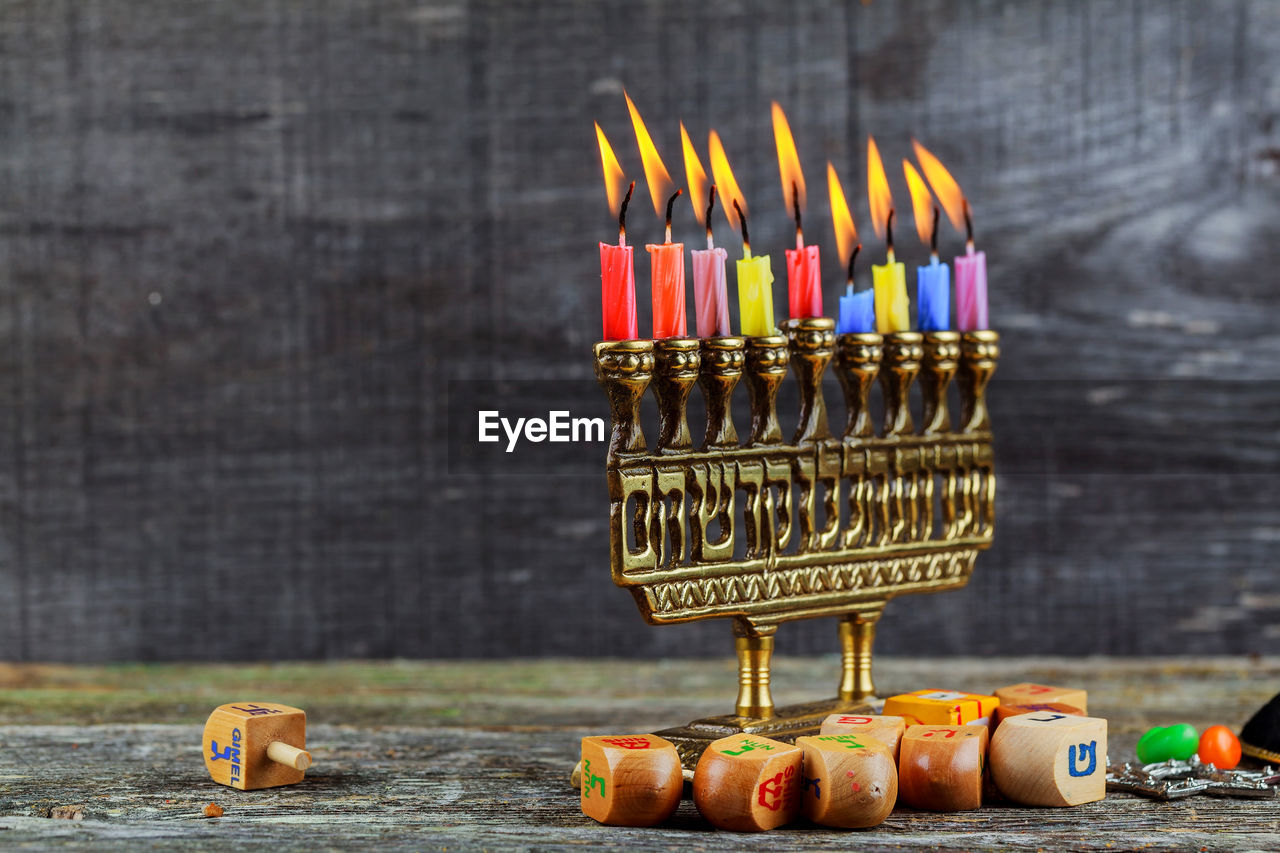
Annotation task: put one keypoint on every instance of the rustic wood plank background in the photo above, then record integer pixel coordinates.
(245, 248)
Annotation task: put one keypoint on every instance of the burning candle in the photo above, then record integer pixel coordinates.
(710, 293)
(971, 267)
(804, 282)
(889, 279)
(617, 275)
(666, 259)
(933, 283)
(755, 277)
(857, 310)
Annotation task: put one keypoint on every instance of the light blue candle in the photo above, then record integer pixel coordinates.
(857, 312)
(933, 297)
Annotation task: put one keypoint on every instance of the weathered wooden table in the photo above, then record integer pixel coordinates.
(464, 755)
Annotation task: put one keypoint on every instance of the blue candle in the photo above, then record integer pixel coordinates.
(933, 297)
(857, 312)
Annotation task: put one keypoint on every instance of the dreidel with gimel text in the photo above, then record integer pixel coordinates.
(251, 745)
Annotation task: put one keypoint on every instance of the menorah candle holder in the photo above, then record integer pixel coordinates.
(771, 530)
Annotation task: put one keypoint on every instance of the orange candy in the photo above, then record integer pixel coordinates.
(1219, 747)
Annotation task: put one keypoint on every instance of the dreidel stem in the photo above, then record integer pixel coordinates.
(289, 756)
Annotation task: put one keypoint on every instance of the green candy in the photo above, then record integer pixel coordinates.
(1151, 745)
(1164, 742)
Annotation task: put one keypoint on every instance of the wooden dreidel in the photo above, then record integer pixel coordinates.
(1027, 693)
(887, 730)
(748, 783)
(630, 780)
(251, 745)
(940, 767)
(1004, 711)
(850, 780)
(942, 707)
(1050, 759)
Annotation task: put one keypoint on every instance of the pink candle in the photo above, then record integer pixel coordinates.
(710, 292)
(971, 290)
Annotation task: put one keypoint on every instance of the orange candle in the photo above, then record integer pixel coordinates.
(666, 259)
(668, 290)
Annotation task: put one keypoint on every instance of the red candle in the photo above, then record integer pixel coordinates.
(804, 285)
(618, 292)
(804, 270)
(617, 272)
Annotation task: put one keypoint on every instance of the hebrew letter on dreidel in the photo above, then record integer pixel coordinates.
(226, 753)
(1090, 749)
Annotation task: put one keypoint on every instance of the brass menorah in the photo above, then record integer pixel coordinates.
(918, 506)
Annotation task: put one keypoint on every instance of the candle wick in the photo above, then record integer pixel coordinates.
(711, 203)
(888, 232)
(968, 225)
(853, 257)
(670, 204)
(746, 239)
(795, 205)
(622, 215)
(933, 235)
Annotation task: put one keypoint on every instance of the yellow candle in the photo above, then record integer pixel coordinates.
(892, 308)
(755, 295)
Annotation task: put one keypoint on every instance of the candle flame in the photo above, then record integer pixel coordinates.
(696, 176)
(726, 184)
(841, 218)
(945, 186)
(921, 203)
(614, 179)
(655, 174)
(877, 189)
(788, 162)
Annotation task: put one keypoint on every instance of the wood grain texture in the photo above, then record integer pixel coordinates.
(392, 771)
(245, 246)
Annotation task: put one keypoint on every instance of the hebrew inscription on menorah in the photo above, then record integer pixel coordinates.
(764, 530)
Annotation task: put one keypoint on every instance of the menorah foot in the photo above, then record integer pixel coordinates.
(857, 635)
(755, 653)
(787, 723)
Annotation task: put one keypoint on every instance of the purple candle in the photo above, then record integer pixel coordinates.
(971, 290)
(971, 267)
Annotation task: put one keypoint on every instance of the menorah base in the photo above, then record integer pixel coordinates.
(788, 723)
